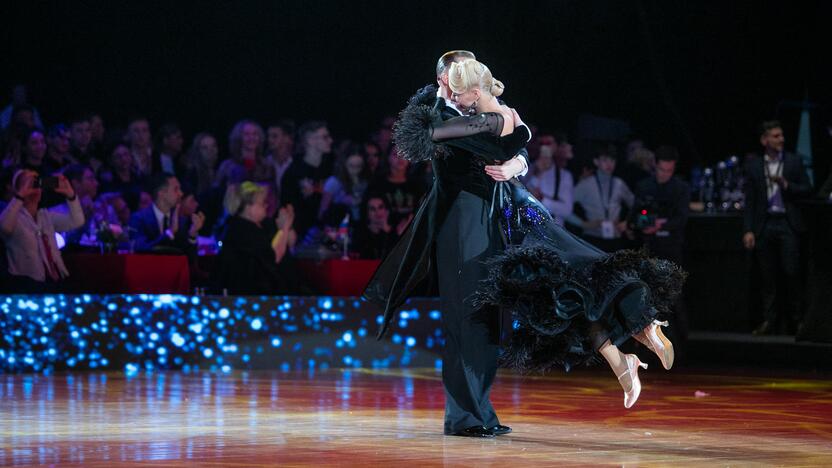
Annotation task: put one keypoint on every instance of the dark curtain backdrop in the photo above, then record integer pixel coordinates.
(699, 75)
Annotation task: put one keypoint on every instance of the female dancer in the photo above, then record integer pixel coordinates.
(568, 298)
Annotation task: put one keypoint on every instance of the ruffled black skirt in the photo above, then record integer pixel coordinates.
(566, 296)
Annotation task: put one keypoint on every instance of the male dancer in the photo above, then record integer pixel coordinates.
(466, 240)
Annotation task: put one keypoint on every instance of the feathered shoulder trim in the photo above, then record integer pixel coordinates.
(412, 132)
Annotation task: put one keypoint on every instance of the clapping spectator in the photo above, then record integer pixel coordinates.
(159, 227)
(35, 263)
(253, 259)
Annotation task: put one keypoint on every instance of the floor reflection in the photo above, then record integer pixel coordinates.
(335, 416)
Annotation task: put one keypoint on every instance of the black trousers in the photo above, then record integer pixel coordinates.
(778, 250)
(469, 360)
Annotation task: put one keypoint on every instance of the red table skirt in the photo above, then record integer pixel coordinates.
(337, 277)
(128, 273)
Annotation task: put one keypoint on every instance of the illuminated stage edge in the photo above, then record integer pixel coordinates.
(157, 332)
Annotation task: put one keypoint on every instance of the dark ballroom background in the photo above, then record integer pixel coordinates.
(699, 75)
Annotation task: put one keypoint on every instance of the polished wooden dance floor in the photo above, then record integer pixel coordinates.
(394, 418)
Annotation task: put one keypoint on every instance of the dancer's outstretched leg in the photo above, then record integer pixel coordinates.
(625, 367)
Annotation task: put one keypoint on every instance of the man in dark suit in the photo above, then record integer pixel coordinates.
(772, 222)
(469, 359)
(159, 226)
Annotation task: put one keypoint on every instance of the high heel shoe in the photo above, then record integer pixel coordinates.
(633, 363)
(654, 339)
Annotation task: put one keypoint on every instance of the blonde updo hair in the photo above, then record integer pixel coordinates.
(238, 196)
(469, 74)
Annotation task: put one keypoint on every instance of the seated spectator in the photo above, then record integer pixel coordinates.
(85, 185)
(247, 161)
(33, 150)
(141, 146)
(253, 259)
(81, 139)
(118, 206)
(374, 237)
(347, 186)
(35, 263)
(58, 155)
(98, 132)
(281, 144)
(401, 191)
(201, 163)
(120, 176)
(552, 183)
(170, 143)
(600, 202)
(160, 227)
(372, 158)
(303, 182)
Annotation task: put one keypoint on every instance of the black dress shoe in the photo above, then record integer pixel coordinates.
(474, 431)
(499, 429)
(765, 328)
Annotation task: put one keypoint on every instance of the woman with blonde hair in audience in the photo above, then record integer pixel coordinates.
(254, 250)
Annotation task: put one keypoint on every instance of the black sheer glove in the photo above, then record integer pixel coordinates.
(459, 127)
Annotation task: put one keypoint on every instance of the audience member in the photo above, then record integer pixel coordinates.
(600, 203)
(641, 164)
(201, 162)
(170, 143)
(347, 186)
(119, 207)
(141, 146)
(552, 183)
(254, 254)
(34, 261)
(19, 110)
(120, 176)
(661, 209)
(374, 237)
(401, 192)
(97, 131)
(247, 161)
(33, 149)
(772, 223)
(281, 145)
(159, 227)
(303, 181)
(372, 159)
(58, 154)
(85, 185)
(81, 139)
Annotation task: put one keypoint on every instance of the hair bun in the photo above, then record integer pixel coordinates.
(497, 88)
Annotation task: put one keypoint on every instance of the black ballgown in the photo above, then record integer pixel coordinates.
(566, 296)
